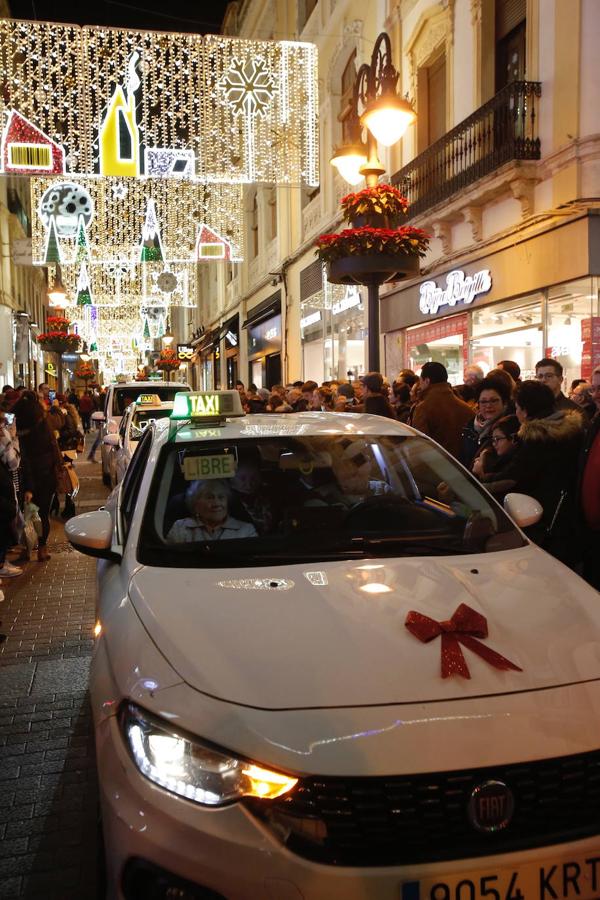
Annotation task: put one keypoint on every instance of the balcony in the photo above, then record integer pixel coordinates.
(502, 130)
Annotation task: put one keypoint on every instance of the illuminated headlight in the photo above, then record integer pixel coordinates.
(189, 769)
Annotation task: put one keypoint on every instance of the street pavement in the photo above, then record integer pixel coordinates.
(49, 835)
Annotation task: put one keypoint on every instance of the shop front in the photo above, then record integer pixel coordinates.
(207, 356)
(536, 298)
(333, 330)
(263, 328)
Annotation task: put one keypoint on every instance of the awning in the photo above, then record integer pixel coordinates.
(265, 310)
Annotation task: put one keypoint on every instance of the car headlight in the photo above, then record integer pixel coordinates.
(192, 770)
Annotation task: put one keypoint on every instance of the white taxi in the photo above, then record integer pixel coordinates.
(329, 665)
(146, 410)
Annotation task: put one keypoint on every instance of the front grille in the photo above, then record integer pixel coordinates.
(423, 818)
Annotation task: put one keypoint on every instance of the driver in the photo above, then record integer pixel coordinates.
(351, 466)
(208, 503)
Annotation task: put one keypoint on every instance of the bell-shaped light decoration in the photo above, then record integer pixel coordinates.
(348, 160)
(388, 118)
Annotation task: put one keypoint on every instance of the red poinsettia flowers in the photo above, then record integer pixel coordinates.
(371, 242)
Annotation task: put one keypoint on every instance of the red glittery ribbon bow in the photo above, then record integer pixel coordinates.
(465, 626)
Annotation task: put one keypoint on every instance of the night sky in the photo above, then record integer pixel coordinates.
(172, 15)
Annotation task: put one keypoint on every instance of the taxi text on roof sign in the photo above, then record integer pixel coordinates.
(148, 399)
(207, 405)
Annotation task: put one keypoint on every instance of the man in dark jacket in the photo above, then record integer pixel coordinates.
(550, 372)
(440, 413)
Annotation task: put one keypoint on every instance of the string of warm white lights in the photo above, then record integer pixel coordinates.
(125, 103)
(111, 213)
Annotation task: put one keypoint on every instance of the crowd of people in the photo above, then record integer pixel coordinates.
(40, 435)
(514, 435)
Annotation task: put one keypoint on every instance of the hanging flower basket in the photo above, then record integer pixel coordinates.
(381, 206)
(376, 249)
(368, 269)
(168, 361)
(59, 342)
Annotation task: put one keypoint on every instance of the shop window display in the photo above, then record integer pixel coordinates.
(511, 330)
(444, 341)
(573, 329)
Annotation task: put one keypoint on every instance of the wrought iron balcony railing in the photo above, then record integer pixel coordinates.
(503, 129)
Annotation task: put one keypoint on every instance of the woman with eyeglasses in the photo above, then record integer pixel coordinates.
(492, 467)
(492, 396)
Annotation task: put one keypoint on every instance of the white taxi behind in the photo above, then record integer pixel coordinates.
(120, 446)
(329, 665)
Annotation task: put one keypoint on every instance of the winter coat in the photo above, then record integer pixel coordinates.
(544, 466)
(40, 456)
(442, 415)
(8, 500)
(377, 405)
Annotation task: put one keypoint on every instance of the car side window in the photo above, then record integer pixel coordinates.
(133, 479)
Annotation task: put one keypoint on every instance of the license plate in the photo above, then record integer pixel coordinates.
(569, 878)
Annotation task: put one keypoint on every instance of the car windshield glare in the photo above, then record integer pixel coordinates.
(326, 496)
(143, 418)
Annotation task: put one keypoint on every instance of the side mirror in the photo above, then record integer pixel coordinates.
(97, 416)
(91, 533)
(112, 439)
(522, 509)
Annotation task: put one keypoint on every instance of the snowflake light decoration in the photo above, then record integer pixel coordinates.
(248, 87)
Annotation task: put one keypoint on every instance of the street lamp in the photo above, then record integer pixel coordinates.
(168, 337)
(384, 116)
(58, 295)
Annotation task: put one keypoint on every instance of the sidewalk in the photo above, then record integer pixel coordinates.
(49, 844)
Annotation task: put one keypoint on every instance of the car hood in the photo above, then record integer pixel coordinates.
(299, 637)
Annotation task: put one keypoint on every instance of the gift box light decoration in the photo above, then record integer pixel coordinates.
(125, 103)
(164, 214)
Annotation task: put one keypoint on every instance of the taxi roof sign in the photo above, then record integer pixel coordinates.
(207, 405)
(148, 400)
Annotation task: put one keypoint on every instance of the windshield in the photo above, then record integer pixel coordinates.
(143, 418)
(123, 396)
(329, 496)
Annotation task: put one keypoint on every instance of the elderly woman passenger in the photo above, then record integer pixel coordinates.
(208, 503)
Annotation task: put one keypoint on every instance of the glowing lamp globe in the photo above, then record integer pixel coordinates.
(388, 118)
(349, 160)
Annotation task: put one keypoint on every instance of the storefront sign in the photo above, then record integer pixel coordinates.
(272, 333)
(185, 352)
(351, 298)
(265, 338)
(459, 288)
(311, 319)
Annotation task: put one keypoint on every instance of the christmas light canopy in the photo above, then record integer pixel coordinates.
(123, 103)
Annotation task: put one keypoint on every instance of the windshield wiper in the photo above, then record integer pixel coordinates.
(413, 546)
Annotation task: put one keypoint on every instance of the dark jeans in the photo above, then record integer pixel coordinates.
(85, 421)
(42, 497)
(6, 540)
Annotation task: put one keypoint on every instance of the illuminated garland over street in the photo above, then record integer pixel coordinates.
(123, 103)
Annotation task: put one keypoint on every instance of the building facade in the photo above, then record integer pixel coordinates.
(502, 168)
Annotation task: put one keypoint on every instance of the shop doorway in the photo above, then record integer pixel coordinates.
(273, 369)
(443, 341)
(510, 330)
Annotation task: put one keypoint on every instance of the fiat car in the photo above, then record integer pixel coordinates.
(329, 665)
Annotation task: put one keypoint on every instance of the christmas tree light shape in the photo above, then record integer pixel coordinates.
(82, 253)
(146, 330)
(52, 253)
(151, 246)
(84, 293)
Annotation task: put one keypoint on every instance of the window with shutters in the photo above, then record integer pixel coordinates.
(431, 88)
(510, 42)
(348, 79)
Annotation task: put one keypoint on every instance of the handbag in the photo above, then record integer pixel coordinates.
(30, 537)
(63, 482)
(31, 513)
